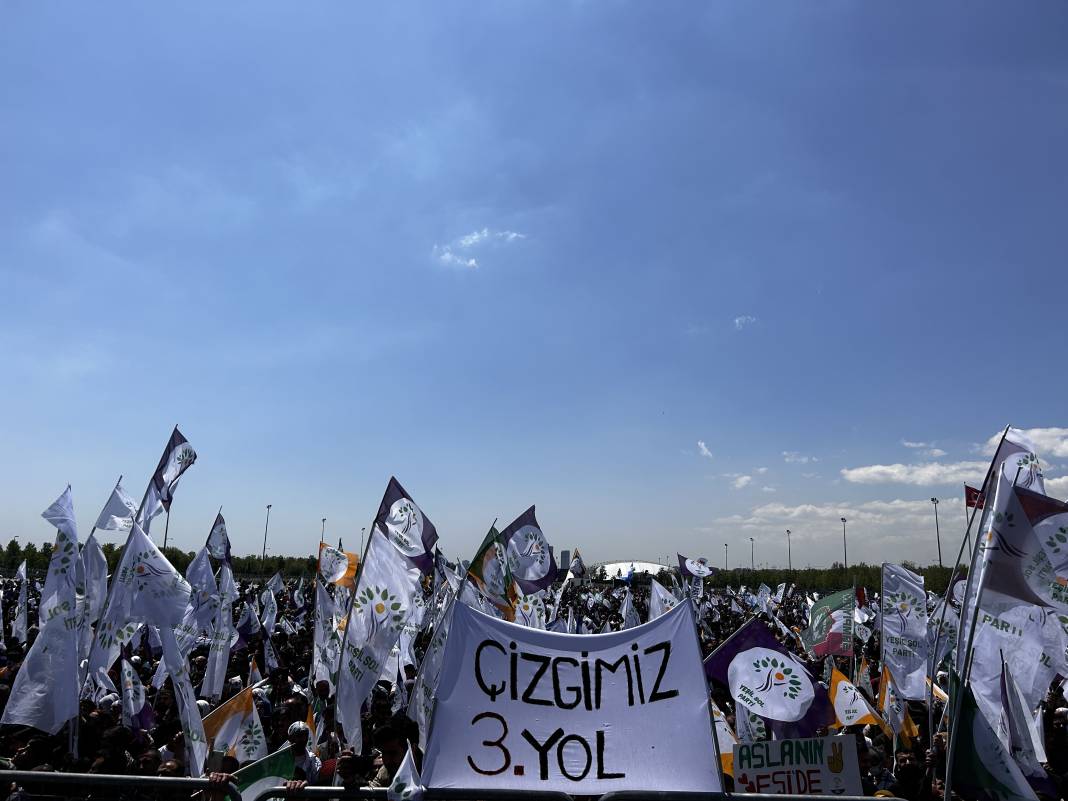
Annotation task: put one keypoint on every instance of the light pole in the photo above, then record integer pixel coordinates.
(724, 556)
(845, 550)
(752, 554)
(362, 530)
(322, 534)
(266, 523)
(789, 554)
(938, 537)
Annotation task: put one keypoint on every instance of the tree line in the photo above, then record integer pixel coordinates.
(38, 556)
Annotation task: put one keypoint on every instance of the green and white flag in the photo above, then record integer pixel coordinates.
(830, 629)
(271, 771)
(982, 767)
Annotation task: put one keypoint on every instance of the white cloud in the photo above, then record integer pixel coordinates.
(761, 470)
(744, 320)
(446, 256)
(742, 481)
(1047, 441)
(934, 453)
(1057, 487)
(703, 449)
(919, 474)
(456, 253)
(810, 475)
(793, 457)
(767, 489)
(892, 530)
(909, 444)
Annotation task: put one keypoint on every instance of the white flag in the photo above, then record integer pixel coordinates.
(133, 697)
(234, 728)
(270, 611)
(118, 513)
(45, 691)
(275, 584)
(177, 457)
(405, 785)
(904, 630)
(196, 743)
(219, 649)
(204, 595)
(20, 625)
(660, 600)
(95, 567)
(326, 646)
(379, 611)
(628, 612)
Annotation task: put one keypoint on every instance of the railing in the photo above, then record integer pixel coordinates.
(84, 784)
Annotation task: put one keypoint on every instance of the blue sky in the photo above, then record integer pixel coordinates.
(526, 252)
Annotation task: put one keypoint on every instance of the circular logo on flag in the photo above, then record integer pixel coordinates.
(771, 684)
(528, 554)
(699, 567)
(332, 563)
(404, 527)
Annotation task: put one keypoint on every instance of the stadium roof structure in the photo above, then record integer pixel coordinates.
(610, 568)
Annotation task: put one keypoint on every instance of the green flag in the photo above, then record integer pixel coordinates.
(489, 572)
(830, 629)
(271, 771)
(982, 768)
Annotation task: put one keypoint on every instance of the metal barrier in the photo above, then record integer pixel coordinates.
(90, 783)
(459, 794)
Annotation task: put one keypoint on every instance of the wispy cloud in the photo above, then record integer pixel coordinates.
(744, 321)
(927, 449)
(458, 252)
(761, 470)
(793, 457)
(918, 474)
(767, 489)
(703, 449)
(742, 481)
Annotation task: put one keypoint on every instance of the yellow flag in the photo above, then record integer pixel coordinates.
(850, 707)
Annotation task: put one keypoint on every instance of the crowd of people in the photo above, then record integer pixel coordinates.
(100, 743)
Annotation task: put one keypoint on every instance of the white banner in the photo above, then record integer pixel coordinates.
(817, 766)
(523, 709)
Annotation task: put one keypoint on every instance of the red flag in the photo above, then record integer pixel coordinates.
(974, 498)
(862, 598)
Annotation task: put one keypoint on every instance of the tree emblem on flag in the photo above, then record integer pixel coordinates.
(528, 553)
(900, 603)
(1028, 464)
(384, 609)
(186, 456)
(114, 633)
(251, 739)
(779, 675)
(1057, 539)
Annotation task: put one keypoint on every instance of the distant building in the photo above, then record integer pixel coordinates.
(565, 563)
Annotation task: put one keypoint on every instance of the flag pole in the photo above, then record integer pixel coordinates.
(166, 528)
(711, 712)
(345, 634)
(951, 720)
